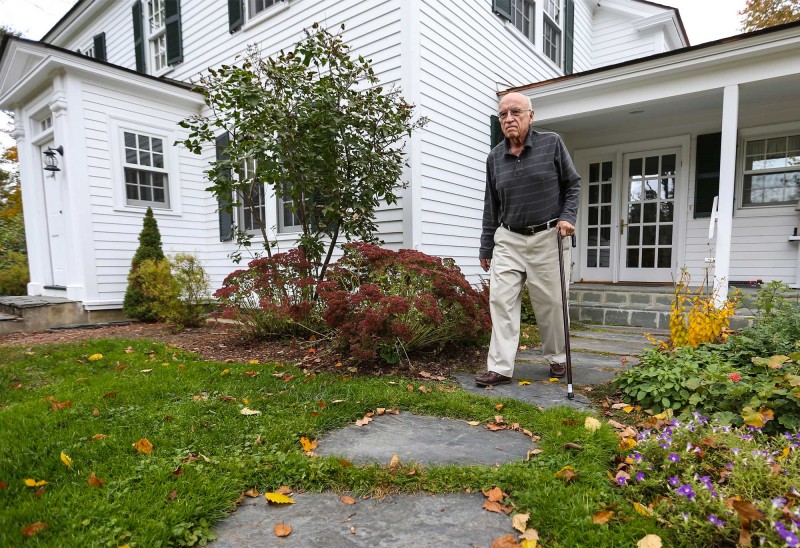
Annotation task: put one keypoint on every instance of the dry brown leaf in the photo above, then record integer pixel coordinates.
(507, 541)
(499, 419)
(39, 492)
(143, 446)
(493, 506)
(423, 389)
(602, 517)
(575, 446)
(745, 537)
(494, 427)
(529, 539)
(252, 493)
(363, 422)
(380, 410)
(617, 425)
(172, 495)
(352, 530)
(283, 530)
(347, 500)
(567, 474)
(109, 395)
(498, 407)
(178, 471)
(649, 541)
(533, 453)
(34, 528)
(59, 405)
(99, 437)
(495, 494)
(746, 511)
(251, 373)
(247, 412)
(94, 481)
(394, 463)
(308, 445)
(393, 411)
(474, 423)
(284, 490)
(520, 522)
(96, 412)
(3, 485)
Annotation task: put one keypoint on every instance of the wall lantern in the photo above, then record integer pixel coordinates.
(50, 160)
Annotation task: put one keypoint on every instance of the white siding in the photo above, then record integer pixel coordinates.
(615, 40)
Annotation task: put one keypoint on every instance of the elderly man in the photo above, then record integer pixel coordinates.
(532, 191)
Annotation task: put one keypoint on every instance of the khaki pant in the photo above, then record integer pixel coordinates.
(533, 261)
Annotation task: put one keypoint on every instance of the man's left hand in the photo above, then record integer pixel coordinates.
(565, 228)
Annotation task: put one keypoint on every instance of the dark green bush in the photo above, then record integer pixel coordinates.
(137, 304)
(14, 276)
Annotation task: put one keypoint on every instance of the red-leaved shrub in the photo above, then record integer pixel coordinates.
(382, 303)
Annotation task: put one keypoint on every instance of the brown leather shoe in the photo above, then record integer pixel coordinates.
(558, 370)
(490, 378)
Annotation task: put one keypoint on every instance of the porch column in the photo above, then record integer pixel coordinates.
(727, 175)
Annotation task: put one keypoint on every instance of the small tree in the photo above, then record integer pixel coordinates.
(760, 14)
(314, 126)
(136, 303)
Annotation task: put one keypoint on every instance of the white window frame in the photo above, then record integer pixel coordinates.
(245, 220)
(253, 18)
(155, 26)
(552, 21)
(518, 7)
(88, 51)
(141, 157)
(282, 211)
(784, 132)
(117, 129)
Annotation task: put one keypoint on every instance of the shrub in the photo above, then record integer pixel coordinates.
(273, 297)
(14, 276)
(192, 285)
(136, 304)
(383, 303)
(158, 288)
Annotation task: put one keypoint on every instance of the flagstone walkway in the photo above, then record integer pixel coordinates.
(455, 519)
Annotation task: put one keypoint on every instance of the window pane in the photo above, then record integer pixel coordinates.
(649, 235)
(667, 189)
(594, 173)
(633, 235)
(651, 166)
(605, 215)
(665, 258)
(593, 216)
(648, 257)
(651, 189)
(607, 171)
(131, 156)
(594, 194)
(605, 236)
(144, 142)
(591, 258)
(634, 213)
(157, 145)
(636, 191)
(605, 257)
(158, 160)
(144, 158)
(592, 236)
(665, 235)
(635, 167)
(650, 211)
(606, 198)
(130, 140)
(632, 259)
(668, 164)
(665, 214)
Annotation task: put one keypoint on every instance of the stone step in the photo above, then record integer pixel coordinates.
(38, 313)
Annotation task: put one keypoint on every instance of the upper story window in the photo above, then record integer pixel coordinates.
(88, 51)
(146, 180)
(771, 174)
(552, 30)
(257, 6)
(523, 17)
(45, 124)
(157, 34)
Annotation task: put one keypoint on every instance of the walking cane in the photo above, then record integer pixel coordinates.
(565, 311)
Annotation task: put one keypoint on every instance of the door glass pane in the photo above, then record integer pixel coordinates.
(632, 260)
(650, 213)
(666, 213)
(636, 191)
(651, 189)
(648, 235)
(634, 213)
(667, 189)
(633, 235)
(635, 167)
(607, 170)
(648, 257)
(593, 216)
(607, 191)
(594, 173)
(668, 165)
(605, 257)
(665, 257)
(591, 258)
(605, 214)
(594, 194)
(651, 166)
(605, 236)
(591, 236)
(665, 235)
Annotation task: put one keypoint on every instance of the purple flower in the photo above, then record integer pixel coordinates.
(673, 457)
(735, 450)
(715, 520)
(686, 490)
(622, 480)
(674, 481)
(778, 502)
(729, 466)
(788, 536)
(639, 476)
(746, 437)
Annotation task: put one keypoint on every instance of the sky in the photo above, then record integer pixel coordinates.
(705, 20)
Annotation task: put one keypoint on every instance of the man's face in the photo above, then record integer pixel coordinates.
(515, 126)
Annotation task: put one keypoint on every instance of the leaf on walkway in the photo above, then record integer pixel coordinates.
(492, 506)
(473, 423)
(494, 427)
(94, 481)
(66, 460)
(143, 446)
(520, 522)
(524, 383)
(347, 500)
(365, 421)
(278, 498)
(252, 493)
(495, 494)
(283, 530)
(307, 444)
(284, 490)
(507, 541)
(649, 541)
(34, 528)
(529, 539)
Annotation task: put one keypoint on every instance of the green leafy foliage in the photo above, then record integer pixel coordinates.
(382, 303)
(137, 304)
(192, 287)
(315, 127)
(14, 274)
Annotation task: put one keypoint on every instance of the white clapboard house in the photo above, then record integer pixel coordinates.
(654, 125)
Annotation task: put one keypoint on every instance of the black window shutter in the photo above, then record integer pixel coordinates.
(172, 15)
(502, 8)
(100, 46)
(224, 206)
(138, 37)
(496, 131)
(569, 33)
(706, 182)
(235, 15)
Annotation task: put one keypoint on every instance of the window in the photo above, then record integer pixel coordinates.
(257, 6)
(288, 220)
(552, 30)
(145, 172)
(88, 51)
(522, 16)
(45, 123)
(157, 34)
(771, 174)
(253, 206)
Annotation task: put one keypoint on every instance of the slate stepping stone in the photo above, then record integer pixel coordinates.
(540, 393)
(426, 440)
(455, 519)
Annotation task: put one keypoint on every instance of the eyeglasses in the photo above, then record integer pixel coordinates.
(513, 112)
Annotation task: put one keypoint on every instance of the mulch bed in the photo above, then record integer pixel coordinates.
(222, 342)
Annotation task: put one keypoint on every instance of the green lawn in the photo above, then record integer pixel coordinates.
(186, 406)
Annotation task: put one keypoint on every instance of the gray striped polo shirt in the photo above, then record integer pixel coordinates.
(538, 185)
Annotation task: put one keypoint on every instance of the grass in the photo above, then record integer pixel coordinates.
(186, 406)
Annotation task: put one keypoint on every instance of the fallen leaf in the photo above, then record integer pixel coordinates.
(172, 495)
(190, 458)
(626, 444)
(394, 463)
(746, 511)
(34, 528)
(59, 405)
(494, 427)
(251, 373)
(33, 483)
(253, 362)
(94, 481)
(96, 412)
(3, 485)
(567, 474)
(499, 407)
(352, 530)
(423, 389)
(95, 357)
(283, 530)
(524, 383)
(552, 379)
(492, 506)
(39, 492)
(225, 372)
(252, 493)
(495, 494)
(642, 509)
(143, 446)
(533, 453)
(347, 500)
(474, 423)
(507, 541)
(278, 498)
(649, 541)
(520, 522)
(602, 517)
(363, 422)
(575, 446)
(393, 411)
(66, 460)
(247, 412)
(109, 395)
(628, 408)
(529, 538)
(99, 437)
(146, 371)
(307, 444)
(284, 490)
(620, 405)
(617, 425)
(591, 424)
(569, 422)
(129, 350)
